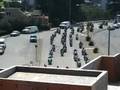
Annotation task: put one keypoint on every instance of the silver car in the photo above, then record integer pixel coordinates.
(15, 33)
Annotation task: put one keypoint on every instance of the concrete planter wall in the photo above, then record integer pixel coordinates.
(100, 79)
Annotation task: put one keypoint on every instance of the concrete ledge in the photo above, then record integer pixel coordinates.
(107, 63)
(93, 79)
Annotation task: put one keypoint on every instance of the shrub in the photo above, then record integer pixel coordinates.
(91, 43)
(95, 50)
(88, 38)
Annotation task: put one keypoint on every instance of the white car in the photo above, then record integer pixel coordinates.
(2, 43)
(15, 33)
(65, 24)
(25, 31)
(116, 26)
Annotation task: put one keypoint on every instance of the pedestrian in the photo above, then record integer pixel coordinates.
(82, 28)
(49, 61)
(86, 59)
(101, 26)
(67, 67)
(66, 30)
(45, 65)
(75, 52)
(76, 36)
(75, 57)
(62, 41)
(51, 53)
(58, 31)
(65, 48)
(80, 44)
(72, 31)
(71, 42)
(53, 48)
(70, 35)
(78, 63)
(57, 66)
(78, 29)
(62, 52)
(51, 40)
(83, 51)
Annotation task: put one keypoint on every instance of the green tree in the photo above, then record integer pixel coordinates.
(18, 24)
(5, 26)
(114, 7)
(58, 10)
(1, 3)
(92, 12)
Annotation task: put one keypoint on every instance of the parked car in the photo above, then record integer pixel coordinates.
(25, 31)
(2, 50)
(111, 28)
(33, 39)
(2, 43)
(65, 24)
(116, 26)
(15, 33)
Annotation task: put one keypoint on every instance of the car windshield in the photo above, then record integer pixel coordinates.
(1, 42)
(33, 36)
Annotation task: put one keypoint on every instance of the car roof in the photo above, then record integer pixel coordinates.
(31, 27)
(26, 29)
(66, 22)
(2, 39)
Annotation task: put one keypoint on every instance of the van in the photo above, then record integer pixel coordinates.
(30, 29)
(65, 25)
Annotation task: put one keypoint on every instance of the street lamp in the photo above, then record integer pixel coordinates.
(109, 33)
(108, 42)
(36, 52)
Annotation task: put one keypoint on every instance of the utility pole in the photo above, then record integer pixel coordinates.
(70, 10)
(108, 42)
(36, 56)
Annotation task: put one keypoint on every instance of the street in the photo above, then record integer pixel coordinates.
(19, 51)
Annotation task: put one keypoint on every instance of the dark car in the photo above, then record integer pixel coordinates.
(2, 50)
(33, 39)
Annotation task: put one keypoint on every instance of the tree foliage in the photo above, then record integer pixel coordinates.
(58, 10)
(92, 12)
(114, 7)
(5, 25)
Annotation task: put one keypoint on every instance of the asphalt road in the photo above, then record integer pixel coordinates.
(62, 62)
(19, 51)
(101, 40)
